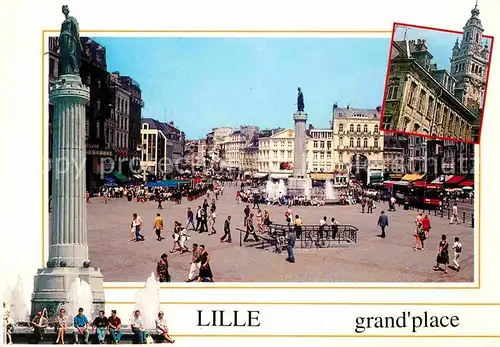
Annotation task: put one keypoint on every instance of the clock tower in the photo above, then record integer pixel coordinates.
(469, 63)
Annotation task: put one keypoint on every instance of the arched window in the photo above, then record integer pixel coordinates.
(365, 142)
(375, 128)
(358, 128)
(351, 142)
(365, 128)
(480, 71)
(375, 142)
(477, 37)
(358, 142)
(351, 128)
(341, 141)
(341, 128)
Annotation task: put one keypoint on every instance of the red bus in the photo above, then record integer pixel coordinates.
(419, 193)
(425, 195)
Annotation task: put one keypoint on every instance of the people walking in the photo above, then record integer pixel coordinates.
(213, 217)
(442, 256)
(198, 219)
(137, 226)
(162, 269)
(369, 205)
(190, 219)
(159, 198)
(250, 229)
(383, 223)
(195, 264)
(205, 270)
(454, 214)
(457, 249)
(227, 230)
(426, 225)
(158, 227)
(392, 204)
(363, 204)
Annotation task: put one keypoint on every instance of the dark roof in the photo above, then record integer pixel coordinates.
(414, 47)
(391, 141)
(163, 127)
(356, 112)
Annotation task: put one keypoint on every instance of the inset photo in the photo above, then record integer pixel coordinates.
(437, 80)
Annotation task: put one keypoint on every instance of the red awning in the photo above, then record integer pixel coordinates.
(419, 183)
(467, 184)
(454, 179)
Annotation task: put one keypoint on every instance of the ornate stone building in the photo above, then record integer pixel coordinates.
(420, 97)
(358, 143)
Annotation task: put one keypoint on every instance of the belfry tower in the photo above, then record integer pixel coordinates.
(469, 63)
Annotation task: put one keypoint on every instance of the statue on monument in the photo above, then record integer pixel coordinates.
(70, 47)
(300, 100)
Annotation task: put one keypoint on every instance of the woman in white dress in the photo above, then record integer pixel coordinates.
(161, 327)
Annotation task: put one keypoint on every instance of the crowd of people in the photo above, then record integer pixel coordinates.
(103, 329)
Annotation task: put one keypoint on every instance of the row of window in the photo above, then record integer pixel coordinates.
(358, 128)
(358, 142)
(321, 134)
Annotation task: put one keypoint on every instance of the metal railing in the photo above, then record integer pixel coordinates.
(464, 217)
(311, 236)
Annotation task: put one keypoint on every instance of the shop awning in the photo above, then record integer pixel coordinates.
(278, 176)
(119, 176)
(322, 176)
(467, 184)
(260, 174)
(438, 180)
(455, 179)
(419, 184)
(412, 177)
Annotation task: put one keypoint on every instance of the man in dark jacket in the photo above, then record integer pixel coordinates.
(383, 222)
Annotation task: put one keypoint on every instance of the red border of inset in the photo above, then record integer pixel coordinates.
(387, 82)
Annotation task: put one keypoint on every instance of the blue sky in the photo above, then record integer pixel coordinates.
(439, 43)
(201, 83)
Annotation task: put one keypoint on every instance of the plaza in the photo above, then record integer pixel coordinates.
(372, 259)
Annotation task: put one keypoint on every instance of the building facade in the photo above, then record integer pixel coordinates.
(320, 150)
(251, 157)
(358, 143)
(162, 149)
(394, 156)
(233, 149)
(275, 155)
(421, 98)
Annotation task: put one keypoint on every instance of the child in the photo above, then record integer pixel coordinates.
(457, 248)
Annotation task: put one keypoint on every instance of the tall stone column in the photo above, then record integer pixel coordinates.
(69, 220)
(68, 250)
(300, 146)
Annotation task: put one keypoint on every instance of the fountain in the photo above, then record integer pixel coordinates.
(79, 295)
(281, 188)
(331, 196)
(17, 302)
(308, 188)
(147, 300)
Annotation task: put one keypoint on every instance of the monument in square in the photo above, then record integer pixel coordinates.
(297, 184)
(68, 266)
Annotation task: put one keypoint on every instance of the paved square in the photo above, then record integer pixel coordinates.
(371, 260)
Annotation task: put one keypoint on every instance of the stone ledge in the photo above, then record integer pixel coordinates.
(24, 335)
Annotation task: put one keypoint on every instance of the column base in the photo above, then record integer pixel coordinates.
(52, 289)
(296, 186)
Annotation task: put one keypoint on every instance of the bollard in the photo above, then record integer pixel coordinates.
(463, 218)
(449, 213)
(441, 212)
(241, 241)
(472, 220)
(435, 212)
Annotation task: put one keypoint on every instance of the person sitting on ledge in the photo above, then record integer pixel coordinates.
(137, 326)
(161, 327)
(101, 326)
(114, 326)
(81, 324)
(39, 324)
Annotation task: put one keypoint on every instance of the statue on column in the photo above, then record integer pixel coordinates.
(300, 101)
(70, 47)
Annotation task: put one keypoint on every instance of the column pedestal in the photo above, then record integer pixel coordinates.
(68, 250)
